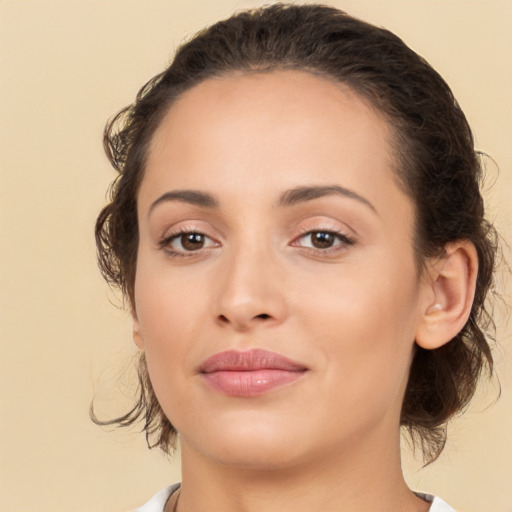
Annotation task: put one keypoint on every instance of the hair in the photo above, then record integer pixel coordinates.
(436, 166)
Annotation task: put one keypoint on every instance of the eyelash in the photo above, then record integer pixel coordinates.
(165, 243)
(343, 241)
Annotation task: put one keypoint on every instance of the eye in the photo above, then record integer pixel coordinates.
(190, 241)
(323, 240)
(184, 242)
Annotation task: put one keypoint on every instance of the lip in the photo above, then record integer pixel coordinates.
(249, 373)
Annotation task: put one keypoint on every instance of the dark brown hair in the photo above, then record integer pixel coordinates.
(436, 165)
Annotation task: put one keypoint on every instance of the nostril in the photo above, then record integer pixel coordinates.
(242, 321)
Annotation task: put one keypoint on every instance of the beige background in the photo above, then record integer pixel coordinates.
(65, 67)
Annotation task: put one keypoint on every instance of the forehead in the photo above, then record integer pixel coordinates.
(276, 107)
(262, 133)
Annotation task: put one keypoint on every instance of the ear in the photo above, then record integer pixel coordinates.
(137, 334)
(449, 293)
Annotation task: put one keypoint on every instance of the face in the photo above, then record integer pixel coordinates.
(276, 294)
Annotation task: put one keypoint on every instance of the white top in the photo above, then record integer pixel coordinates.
(158, 501)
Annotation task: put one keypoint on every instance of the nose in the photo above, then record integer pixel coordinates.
(250, 292)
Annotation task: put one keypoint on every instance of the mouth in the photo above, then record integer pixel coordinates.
(250, 373)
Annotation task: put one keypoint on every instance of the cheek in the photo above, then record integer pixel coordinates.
(168, 310)
(364, 302)
(364, 324)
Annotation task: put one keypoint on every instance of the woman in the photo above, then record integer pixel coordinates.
(298, 227)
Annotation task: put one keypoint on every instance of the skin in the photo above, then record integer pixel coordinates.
(350, 313)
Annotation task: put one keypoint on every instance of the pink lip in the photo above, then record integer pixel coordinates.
(250, 373)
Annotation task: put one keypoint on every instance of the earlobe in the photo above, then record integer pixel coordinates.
(137, 335)
(449, 295)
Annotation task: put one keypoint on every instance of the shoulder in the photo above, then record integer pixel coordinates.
(158, 501)
(437, 504)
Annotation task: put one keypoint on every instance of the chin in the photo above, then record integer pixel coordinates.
(256, 456)
(252, 446)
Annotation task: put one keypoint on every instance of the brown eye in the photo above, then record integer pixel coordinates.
(322, 239)
(188, 243)
(192, 241)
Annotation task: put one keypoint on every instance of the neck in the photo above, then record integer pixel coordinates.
(359, 478)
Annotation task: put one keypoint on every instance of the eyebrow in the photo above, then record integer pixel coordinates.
(187, 196)
(289, 198)
(303, 194)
